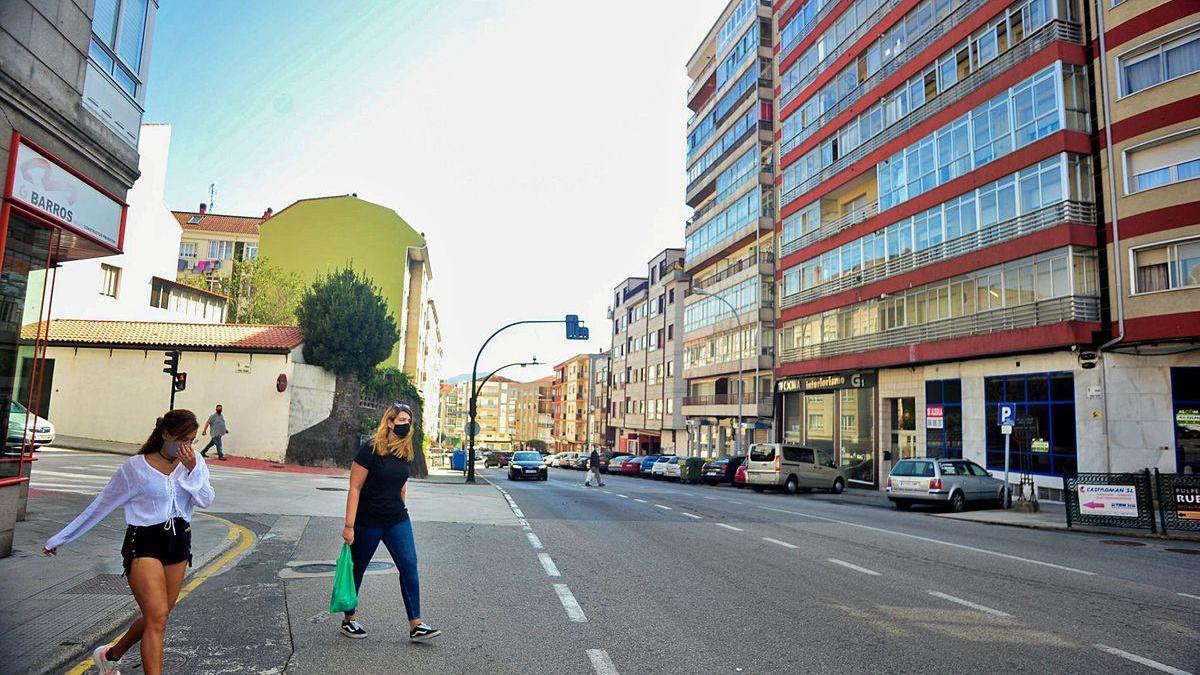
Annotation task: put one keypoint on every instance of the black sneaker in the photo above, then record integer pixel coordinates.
(353, 629)
(423, 633)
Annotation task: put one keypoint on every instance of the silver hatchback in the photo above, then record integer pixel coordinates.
(950, 482)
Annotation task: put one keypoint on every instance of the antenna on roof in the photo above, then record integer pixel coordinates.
(212, 196)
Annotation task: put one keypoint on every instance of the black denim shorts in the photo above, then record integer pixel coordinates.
(169, 545)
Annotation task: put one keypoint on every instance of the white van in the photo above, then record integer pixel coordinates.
(792, 468)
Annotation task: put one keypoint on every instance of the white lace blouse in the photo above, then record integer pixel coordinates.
(149, 497)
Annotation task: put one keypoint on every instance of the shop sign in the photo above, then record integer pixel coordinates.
(1187, 502)
(1108, 500)
(851, 380)
(1040, 445)
(1187, 416)
(43, 185)
(935, 417)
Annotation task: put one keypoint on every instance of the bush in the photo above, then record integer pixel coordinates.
(346, 324)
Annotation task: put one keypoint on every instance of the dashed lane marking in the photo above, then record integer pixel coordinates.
(968, 603)
(548, 565)
(533, 540)
(570, 604)
(622, 496)
(601, 663)
(1142, 660)
(1189, 595)
(852, 566)
(663, 507)
(639, 500)
(690, 515)
(730, 527)
(780, 543)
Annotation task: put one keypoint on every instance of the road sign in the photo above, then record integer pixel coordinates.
(1006, 429)
(473, 428)
(1006, 413)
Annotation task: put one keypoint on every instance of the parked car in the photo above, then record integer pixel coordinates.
(672, 468)
(613, 464)
(606, 459)
(659, 470)
(792, 468)
(631, 466)
(496, 459)
(647, 466)
(580, 461)
(564, 460)
(527, 464)
(721, 470)
(946, 482)
(38, 431)
(739, 476)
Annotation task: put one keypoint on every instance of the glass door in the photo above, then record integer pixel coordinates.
(904, 428)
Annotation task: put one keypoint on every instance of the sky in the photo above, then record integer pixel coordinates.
(538, 144)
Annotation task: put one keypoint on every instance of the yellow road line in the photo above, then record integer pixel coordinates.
(245, 539)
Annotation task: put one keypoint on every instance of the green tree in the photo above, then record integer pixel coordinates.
(395, 385)
(260, 292)
(536, 444)
(346, 324)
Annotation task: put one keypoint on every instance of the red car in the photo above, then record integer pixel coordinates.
(739, 478)
(631, 466)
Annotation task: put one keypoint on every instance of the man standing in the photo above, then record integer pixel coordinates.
(216, 422)
(593, 470)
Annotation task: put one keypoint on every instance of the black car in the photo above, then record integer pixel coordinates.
(721, 470)
(496, 459)
(527, 464)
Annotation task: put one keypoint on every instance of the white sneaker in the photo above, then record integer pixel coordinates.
(103, 665)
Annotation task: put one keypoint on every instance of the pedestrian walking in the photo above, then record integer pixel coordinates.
(160, 488)
(376, 511)
(216, 422)
(593, 472)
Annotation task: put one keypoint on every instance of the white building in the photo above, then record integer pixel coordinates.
(138, 285)
(429, 370)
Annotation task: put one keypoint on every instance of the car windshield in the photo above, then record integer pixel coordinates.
(18, 409)
(762, 453)
(527, 457)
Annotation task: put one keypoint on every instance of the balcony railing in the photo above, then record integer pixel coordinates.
(1043, 313)
(764, 257)
(832, 227)
(1055, 214)
(1054, 31)
(787, 96)
(747, 398)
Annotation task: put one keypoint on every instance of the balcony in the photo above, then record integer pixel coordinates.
(765, 362)
(732, 398)
(1052, 32)
(762, 130)
(831, 227)
(1056, 214)
(862, 29)
(763, 258)
(1043, 313)
(729, 405)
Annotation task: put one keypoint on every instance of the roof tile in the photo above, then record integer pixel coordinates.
(227, 336)
(217, 222)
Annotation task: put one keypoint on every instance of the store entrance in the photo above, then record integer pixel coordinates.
(904, 427)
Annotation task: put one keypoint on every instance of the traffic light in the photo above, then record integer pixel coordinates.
(180, 381)
(575, 328)
(171, 363)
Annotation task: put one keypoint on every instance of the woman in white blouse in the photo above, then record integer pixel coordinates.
(160, 488)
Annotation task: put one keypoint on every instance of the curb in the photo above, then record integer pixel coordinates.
(237, 542)
(1141, 534)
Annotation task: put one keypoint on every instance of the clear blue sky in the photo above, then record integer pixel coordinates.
(537, 143)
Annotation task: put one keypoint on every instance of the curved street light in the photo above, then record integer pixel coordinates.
(740, 357)
(479, 389)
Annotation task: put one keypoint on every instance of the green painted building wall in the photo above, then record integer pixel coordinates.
(316, 236)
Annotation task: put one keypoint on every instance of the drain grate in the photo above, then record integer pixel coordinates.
(332, 489)
(1121, 542)
(328, 568)
(1185, 551)
(101, 584)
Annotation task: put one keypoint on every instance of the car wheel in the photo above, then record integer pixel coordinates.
(957, 502)
(1000, 499)
(792, 485)
(838, 486)
(902, 505)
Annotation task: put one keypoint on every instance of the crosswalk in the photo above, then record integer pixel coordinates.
(86, 473)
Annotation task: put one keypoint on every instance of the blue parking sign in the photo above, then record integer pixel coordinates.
(1007, 412)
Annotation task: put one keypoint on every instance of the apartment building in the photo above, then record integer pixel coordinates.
(1148, 104)
(452, 420)
(427, 368)
(535, 411)
(212, 242)
(600, 431)
(496, 413)
(941, 242)
(729, 316)
(646, 360)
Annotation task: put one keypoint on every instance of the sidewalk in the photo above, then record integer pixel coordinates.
(232, 461)
(53, 609)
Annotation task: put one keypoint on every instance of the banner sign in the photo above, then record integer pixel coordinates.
(852, 380)
(935, 417)
(1108, 500)
(41, 184)
(1187, 503)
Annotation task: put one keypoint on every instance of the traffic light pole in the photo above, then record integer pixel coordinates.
(471, 404)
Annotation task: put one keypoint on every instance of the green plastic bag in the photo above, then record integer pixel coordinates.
(345, 597)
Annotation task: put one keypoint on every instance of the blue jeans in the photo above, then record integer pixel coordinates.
(216, 440)
(398, 539)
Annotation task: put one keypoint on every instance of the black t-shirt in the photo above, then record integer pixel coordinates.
(379, 501)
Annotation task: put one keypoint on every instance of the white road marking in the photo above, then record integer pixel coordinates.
(968, 603)
(574, 611)
(606, 492)
(55, 488)
(533, 540)
(548, 565)
(730, 527)
(852, 566)
(1189, 595)
(601, 664)
(74, 476)
(935, 541)
(519, 513)
(639, 500)
(622, 496)
(663, 507)
(781, 543)
(690, 515)
(1141, 659)
(733, 501)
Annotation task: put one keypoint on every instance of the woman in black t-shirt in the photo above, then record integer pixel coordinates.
(375, 512)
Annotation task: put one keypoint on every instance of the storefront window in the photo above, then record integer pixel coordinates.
(943, 433)
(793, 424)
(1050, 399)
(1185, 393)
(856, 411)
(819, 421)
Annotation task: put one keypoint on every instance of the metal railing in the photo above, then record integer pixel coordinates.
(1055, 214)
(747, 398)
(1052, 32)
(844, 46)
(765, 257)
(832, 227)
(1042, 313)
(736, 145)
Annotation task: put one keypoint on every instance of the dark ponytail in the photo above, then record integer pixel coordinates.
(176, 423)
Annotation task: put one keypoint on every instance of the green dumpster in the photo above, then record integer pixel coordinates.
(690, 469)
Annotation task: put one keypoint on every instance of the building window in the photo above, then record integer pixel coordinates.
(220, 250)
(1185, 395)
(118, 31)
(110, 280)
(1167, 267)
(187, 249)
(1160, 62)
(1163, 162)
(671, 296)
(943, 437)
(1050, 399)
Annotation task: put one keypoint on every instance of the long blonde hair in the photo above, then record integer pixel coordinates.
(388, 443)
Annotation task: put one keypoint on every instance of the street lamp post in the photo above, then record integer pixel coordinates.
(740, 355)
(479, 389)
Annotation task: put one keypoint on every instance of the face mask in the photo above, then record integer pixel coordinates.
(170, 448)
(401, 429)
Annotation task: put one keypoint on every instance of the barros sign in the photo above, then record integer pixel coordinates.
(39, 183)
(852, 380)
